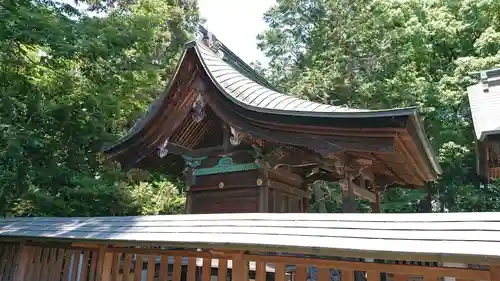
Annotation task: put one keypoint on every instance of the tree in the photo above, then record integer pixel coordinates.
(71, 83)
(387, 53)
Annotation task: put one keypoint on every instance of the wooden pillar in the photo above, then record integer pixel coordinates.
(348, 197)
(376, 204)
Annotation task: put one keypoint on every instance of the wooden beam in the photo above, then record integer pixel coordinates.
(360, 192)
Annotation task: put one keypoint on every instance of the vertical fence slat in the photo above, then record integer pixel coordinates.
(260, 271)
(176, 276)
(222, 270)
(279, 272)
(85, 266)
(56, 274)
(94, 256)
(32, 269)
(67, 265)
(8, 262)
(115, 266)
(44, 265)
(77, 254)
(4, 259)
(494, 273)
(191, 270)
(347, 275)
(51, 264)
(373, 276)
(206, 269)
(16, 255)
(324, 274)
(138, 268)
(106, 267)
(402, 277)
(24, 263)
(300, 273)
(150, 276)
(126, 267)
(163, 268)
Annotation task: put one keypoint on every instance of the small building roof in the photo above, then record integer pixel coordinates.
(484, 99)
(453, 237)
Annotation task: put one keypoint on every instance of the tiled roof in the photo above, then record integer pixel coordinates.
(484, 99)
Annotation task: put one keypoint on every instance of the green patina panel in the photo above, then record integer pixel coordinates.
(226, 165)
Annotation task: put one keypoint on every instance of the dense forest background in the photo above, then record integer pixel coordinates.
(72, 80)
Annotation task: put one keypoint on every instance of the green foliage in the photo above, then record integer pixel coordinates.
(71, 83)
(389, 53)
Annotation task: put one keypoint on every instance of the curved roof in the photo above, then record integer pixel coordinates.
(246, 92)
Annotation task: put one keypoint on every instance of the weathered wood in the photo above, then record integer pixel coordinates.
(373, 276)
(177, 272)
(301, 273)
(115, 267)
(93, 265)
(260, 271)
(76, 263)
(347, 275)
(85, 266)
(107, 265)
(206, 271)
(150, 274)
(280, 273)
(163, 268)
(138, 267)
(191, 269)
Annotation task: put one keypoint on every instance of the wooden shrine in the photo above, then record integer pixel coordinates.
(244, 147)
(484, 99)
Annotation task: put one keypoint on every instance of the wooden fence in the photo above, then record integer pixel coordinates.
(80, 262)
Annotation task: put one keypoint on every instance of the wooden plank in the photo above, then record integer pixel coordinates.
(151, 268)
(191, 271)
(106, 267)
(85, 266)
(100, 263)
(280, 272)
(45, 265)
(6, 262)
(300, 273)
(18, 249)
(176, 276)
(56, 274)
(462, 273)
(115, 266)
(67, 265)
(238, 268)
(222, 270)
(373, 276)
(94, 256)
(324, 275)
(51, 264)
(403, 277)
(163, 268)
(494, 273)
(126, 267)
(360, 192)
(76, 264)
(260, 271)
(24, 264)
(347, 275)
(138, 267)
(206, 271)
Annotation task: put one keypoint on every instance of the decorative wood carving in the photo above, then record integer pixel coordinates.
(163, 149)
(236, 136)
(199, 108)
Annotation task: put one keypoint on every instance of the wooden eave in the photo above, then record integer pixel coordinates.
(372, 133)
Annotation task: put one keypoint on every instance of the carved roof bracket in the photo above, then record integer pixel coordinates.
(236, 136)
(163, 151)
(198, 110)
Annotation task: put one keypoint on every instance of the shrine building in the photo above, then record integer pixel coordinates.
(244, 147)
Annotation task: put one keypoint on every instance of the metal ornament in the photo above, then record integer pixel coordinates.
(163, 149)
(236, 137)
(199, 108)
